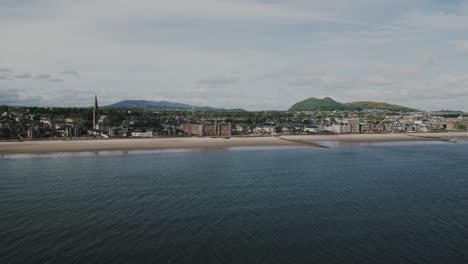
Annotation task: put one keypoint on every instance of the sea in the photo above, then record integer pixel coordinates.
(360, 203)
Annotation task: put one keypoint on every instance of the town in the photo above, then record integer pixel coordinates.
(29, 123)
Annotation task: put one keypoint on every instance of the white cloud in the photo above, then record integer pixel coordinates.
(462, 45)
(436, 21)
(181, 49)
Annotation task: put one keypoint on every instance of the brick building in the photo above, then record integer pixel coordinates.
(208, 130)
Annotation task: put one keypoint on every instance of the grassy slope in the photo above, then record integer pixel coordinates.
(328, 104)
(379, 105)
(314, 104)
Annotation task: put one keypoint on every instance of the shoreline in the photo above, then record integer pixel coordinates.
(370, 138)
(56, 146)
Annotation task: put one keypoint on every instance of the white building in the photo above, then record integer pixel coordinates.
(265, 130)
(143, 134)
(311, 129)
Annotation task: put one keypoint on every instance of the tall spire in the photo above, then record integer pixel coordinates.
(96, 103)
(95, 111)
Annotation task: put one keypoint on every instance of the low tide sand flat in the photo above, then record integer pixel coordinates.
(49, 146)
(364, 138)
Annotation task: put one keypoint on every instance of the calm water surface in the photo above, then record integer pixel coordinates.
(379, 203)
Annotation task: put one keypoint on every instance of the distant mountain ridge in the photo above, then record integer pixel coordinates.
(328, 104)
(310, 104)
(165, 105)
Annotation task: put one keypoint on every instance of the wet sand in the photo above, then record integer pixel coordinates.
(51, 146)
(369, 138)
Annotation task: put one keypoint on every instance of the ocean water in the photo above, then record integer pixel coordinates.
(377, 203)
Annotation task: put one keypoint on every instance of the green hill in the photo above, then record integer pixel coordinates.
(314, 104)
(379, 106)
(328, 104)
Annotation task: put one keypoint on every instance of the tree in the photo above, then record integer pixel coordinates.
(82, 123)
(115, 117)
(154, 123)
(4, 108)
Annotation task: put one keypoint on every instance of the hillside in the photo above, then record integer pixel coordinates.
(315, 104)
(165, 105)
(328, 104)
(379, 105)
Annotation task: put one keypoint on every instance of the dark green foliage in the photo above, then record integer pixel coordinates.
(314, 104)
(82, 123)
(4, 108)
(379, 106)
(115, 117)
(328, 104)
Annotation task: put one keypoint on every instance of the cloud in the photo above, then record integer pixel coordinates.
(436, 20)
(43, 77)
(462, 46)
(56, 80)
(12, 96)
(6, 76)
(23, 76)
(8, 96)
(218, 81)
(5, 70)
(70, 73)
(189, 48)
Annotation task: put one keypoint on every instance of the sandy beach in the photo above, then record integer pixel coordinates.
(51, 146)
(48, 146)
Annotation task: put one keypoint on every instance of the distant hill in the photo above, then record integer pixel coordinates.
(379, 106)
(315, 104)
(165, 105)
(328, 104)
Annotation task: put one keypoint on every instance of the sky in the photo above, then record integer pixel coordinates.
(251, 54)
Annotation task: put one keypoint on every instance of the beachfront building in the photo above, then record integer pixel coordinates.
(265, 129)
(208, 130)
(311, 129)
(451, 125)
(140, 134)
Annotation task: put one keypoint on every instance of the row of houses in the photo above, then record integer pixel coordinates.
(28, 126)
(23, 124)
(354, 126)
(208, 130)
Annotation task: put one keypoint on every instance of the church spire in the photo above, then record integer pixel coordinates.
(95, 112)
(95, 103)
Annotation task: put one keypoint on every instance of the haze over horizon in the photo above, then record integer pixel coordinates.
(251, 54)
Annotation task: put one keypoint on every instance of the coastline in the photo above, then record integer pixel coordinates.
(369, 138)
(54, 146)
(51, 146)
